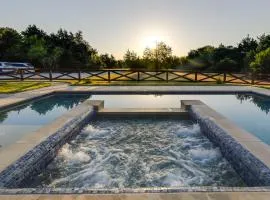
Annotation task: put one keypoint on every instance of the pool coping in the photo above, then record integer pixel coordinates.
(62, 191)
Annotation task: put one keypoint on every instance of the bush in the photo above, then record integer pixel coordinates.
(227, 65)
(262, 62)
(219, 81)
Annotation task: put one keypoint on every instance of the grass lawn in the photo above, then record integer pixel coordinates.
(89, 82)
(20, 86)
(263, 86)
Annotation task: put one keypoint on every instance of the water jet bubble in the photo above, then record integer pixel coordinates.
(135, 153)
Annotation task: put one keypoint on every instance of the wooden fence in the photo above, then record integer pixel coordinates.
(109, 75)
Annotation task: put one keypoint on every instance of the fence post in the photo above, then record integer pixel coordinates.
(79, 75)
(109, 76)
(138, 76)
(167, 76)
(224, 78)
(50, 75)
(252, 78)
(21, 74)
(196, 76)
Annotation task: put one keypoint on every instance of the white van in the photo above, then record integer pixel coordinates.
(9, 67)
(21, 65)
(4, 67)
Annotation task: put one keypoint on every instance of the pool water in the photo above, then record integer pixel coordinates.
(250, 112)
(133, 153)
(19, 121)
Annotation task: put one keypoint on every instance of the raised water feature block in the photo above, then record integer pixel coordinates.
(35, 160)
(247, 154)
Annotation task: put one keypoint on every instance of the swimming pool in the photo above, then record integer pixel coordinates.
(26, 118)
(101, 157)
(249, 111)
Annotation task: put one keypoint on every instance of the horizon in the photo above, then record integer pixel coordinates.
(114, 27)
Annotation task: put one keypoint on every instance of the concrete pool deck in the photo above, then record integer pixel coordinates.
(168, 196)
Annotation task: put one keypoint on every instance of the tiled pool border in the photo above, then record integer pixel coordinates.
(131, 190)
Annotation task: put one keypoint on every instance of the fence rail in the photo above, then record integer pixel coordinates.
(110, 75)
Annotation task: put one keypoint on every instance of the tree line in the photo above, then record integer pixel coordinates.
(65, 49)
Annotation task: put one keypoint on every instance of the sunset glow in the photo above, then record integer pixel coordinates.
(151, 41)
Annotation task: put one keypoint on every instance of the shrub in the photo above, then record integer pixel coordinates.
(262, 62)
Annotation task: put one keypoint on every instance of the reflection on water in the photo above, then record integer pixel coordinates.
(67, 102)
(3, 116)
(250, 112)
(262, 103)
(17, 122)
(121, 153)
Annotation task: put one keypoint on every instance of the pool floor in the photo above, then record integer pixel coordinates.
(134, 153)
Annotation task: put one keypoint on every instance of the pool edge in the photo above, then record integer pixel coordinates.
(246, 153)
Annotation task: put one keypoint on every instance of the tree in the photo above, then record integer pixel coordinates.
(37, 50)
(132, 60)
(193, 54)
(183, 60)
(76, 51)
(227, 53)
(52, 58)
(202, 58)
(247, 44)
(10, 44)
(226, 65)
(261, 63)
(249, 57)
(33, 30)
(174, 61)
(108, 60)
(159, 56)
(264, 43)
(94, 60)
(65, 49)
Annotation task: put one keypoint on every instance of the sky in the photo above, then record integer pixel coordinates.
(113, 26)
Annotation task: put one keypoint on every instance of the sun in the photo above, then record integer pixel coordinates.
(151, 41)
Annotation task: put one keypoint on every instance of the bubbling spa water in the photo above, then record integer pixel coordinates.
(132, 153)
